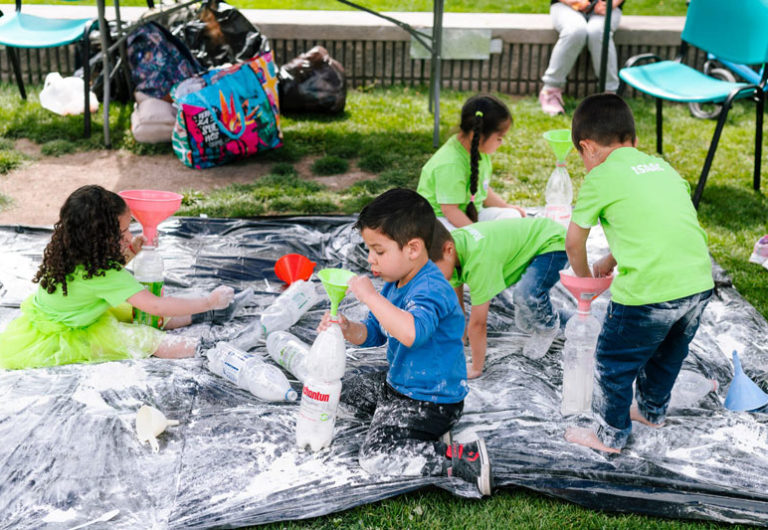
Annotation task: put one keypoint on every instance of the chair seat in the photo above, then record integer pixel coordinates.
(20, 30)
(675, 81)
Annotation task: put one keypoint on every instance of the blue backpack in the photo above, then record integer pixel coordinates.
(158, 60)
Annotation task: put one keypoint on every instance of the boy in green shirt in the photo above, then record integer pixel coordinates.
(490, 257)
(664, 273)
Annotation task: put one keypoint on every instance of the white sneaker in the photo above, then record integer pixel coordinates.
(551, 100)
(538, 344)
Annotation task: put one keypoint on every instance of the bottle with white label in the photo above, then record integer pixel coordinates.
(149, 271)
(289, 352)
(250, 373)
(289, 307)
(559, 194)
(326, 362)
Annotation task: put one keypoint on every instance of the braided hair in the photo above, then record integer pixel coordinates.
(87, 233)
(481, 116)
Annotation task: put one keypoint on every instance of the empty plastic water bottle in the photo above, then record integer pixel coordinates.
(690, 388)
(289, 352)
(559, 194)
(288, 308)
(250, 373)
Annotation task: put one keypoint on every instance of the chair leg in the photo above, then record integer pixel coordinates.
(13, 58)
(86, 50)
(758, 139)
(711, 152)
(659, 121)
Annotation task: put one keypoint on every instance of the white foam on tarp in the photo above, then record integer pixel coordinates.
(60, 516)
(114, 376)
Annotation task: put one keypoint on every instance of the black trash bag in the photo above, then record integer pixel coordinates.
(313, 82)
(119, 86)
(221, 34)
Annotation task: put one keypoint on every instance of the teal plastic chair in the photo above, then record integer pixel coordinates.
(734, 31)
(20, 30)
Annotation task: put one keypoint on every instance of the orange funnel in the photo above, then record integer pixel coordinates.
(292, 267)
(584, 290)
(150, 208)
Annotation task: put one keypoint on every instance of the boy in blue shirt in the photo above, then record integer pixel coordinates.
(420, 398)
(664, 273)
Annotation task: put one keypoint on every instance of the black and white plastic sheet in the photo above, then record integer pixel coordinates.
(70, 452)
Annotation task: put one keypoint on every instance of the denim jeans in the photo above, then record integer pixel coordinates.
(574, 31)
(533, 308)
(646, 343)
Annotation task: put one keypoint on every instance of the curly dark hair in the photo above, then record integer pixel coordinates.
(87, 233)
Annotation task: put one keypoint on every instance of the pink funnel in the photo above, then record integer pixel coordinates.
(150, 208)
(585, 289)
(292, 267)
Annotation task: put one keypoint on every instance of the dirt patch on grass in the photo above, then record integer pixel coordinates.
(39, 188)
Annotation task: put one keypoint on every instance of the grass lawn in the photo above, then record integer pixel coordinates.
(634, 7)
(388, 133)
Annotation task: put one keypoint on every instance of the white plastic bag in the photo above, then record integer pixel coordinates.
(152, 119)
(64, 95)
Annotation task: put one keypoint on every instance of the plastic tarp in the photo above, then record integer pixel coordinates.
(70, 453)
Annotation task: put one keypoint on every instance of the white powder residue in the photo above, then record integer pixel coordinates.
(114, 376)
(60, 516)
(19, 403)
(728, 344)
(91, 399)
(750, 438)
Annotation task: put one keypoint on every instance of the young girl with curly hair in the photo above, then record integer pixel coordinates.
(78, 313)
(456, 180)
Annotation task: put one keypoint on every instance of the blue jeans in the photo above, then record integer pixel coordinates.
(647, 343)
(533, 309)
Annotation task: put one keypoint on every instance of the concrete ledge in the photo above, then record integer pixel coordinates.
(359, 25)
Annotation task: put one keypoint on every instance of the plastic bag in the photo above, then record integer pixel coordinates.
(64, 95)
(152, 120)
(313, 82)
(221, 35)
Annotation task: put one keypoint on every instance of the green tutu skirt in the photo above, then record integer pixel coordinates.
(33, 341)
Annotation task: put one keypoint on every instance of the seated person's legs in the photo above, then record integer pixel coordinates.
(595, 27)
(533, 308)
(495, 212)
(363, 391)
(571, 27)
(177, 347)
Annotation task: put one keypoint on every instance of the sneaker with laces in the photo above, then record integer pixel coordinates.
(760, 252)
(470, 462)
(551, 100)
(447, 439)
(539, 342)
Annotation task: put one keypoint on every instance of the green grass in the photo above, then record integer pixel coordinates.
(634, 7)
(391, 134)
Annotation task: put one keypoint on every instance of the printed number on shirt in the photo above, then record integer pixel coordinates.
(646, 168)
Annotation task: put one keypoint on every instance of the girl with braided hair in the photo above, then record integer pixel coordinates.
(456, 180)
(78, 313)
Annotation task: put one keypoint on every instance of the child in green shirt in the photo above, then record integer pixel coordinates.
(456, 180)
(492, 256)
(664, 273)
(78, 313)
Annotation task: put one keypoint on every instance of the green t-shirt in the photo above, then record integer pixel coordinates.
(650, 223)
(494, 254)
(445, 177)
(87, 300)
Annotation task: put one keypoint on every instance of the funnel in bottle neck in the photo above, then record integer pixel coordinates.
(584, 290)
(335, 283)
(292, 267)
(560, 142)
(150, 208)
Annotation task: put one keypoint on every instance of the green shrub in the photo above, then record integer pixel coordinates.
(283, 168)
(58, 148)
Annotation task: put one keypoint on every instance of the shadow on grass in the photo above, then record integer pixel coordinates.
(734, 208)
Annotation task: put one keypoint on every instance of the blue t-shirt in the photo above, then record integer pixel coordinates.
(433, 368)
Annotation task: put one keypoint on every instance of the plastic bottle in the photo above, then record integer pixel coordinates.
(288, 308)
(326, 362)
(250, 337)
(581, 333)
(289, 352)
(250, 373)
(690, 388)
(559, 194)
(148, 269)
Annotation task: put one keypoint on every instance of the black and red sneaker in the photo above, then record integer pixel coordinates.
(470, 462)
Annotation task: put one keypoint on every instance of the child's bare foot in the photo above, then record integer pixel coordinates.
(587, 438)
(634, 414)
(473, 373)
